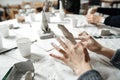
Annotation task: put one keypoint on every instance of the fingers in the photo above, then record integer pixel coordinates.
(86, 39)
(79, 44)
(62, 43)
(84, 36)
(83, 50)
(92, 10)
(59, 50)
(85, 43)
(90, 18)
(57, 57)
(67, 44)
(78, 50)
(83, 33)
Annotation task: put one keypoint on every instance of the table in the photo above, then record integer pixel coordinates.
(46, 67)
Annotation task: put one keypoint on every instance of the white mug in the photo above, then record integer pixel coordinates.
(24, 46)
(1, 44)
(61, 16)
(4, 30)
(73, 22)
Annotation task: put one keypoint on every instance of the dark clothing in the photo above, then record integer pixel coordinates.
(94, 2)
(91, 75)
(109, 11)
(1, 14)
(115, 60)
(71, 5)
(94, 75)
(113, 19)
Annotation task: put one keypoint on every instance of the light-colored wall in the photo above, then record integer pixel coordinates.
(5, 2)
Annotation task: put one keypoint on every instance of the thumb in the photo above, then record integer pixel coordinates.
(84, 43)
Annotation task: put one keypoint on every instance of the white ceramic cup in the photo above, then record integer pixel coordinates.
(1, 44)
(73, 22)
(4, 30)
(61, 16)
(24, 46)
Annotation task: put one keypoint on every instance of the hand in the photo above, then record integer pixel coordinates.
(92, 10)
(75, 56)
(91, 44)
(21, 19)
(94, 19)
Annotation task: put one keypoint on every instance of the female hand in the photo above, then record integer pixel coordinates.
(89, 43)
(92, 10)
(75, 56)
(94, 19)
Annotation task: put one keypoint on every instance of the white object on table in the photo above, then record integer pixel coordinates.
(1, 44)
(54, 69)
(4, 30)
(74, 22)
(24, 45)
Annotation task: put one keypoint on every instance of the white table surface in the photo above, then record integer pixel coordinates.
(46, 67)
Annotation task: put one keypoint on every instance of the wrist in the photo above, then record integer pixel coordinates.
(100, 49)
(102, 19)
(82, 69)
(99, 20)
(106, 52)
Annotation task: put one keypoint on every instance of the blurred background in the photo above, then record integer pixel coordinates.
(9, 8)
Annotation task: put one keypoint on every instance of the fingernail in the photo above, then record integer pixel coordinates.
(52, 43)
(50, 54)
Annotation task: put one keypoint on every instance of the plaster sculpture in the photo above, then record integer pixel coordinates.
(46, 32)
(66, 33)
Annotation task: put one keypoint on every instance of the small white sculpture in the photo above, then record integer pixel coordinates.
(61, 11)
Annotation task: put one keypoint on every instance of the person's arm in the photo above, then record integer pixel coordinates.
(77, 58)
(109, 11)
(90, 43)
(113, 21)
(112, 55)
(106, 52)
(94, 46)
(91, 75)
(115, 60)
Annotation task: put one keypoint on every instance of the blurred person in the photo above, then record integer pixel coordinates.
(112, 20)
(70, 6)
(77, 57)
(2, 13)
